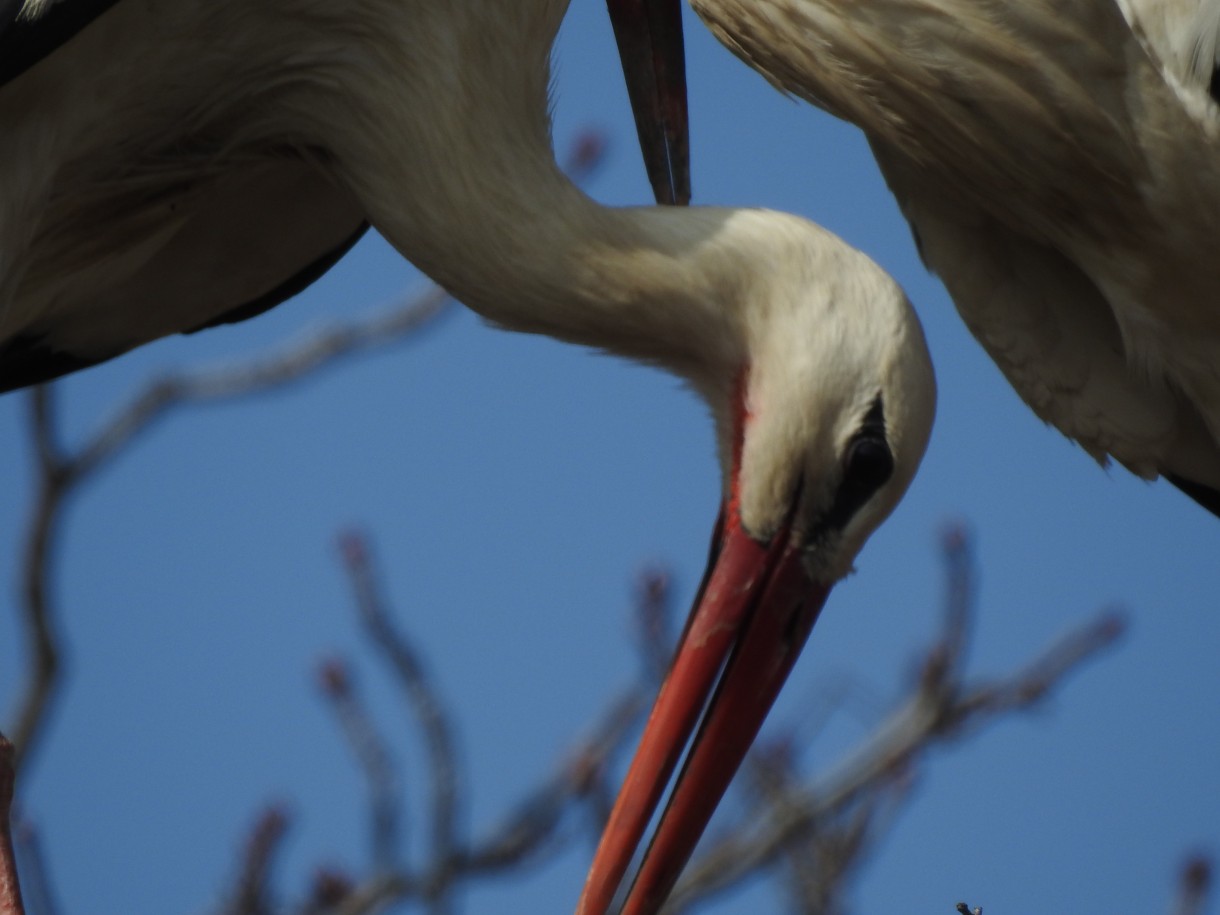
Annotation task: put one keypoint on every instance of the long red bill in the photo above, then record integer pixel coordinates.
(650, 45)
(752, 617)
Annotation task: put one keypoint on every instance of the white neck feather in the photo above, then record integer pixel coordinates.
(499, 225)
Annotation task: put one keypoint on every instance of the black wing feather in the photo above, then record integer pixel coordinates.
(28, 359)
(1206, 496)
(298, 282)
(24, 41)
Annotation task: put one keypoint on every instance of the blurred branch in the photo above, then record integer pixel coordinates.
(653, 616)
(251, 895)
(54, 482)
(264, 372)
(947, 659)
(842, 807)
(329, 891)
(374, 756)
(536, 822)
(422, 699)
(525, 832)
(534, 827)
(1194, 886)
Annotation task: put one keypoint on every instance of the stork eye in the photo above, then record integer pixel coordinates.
(868, 465)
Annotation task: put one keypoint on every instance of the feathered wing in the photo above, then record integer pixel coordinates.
(1025, 144)
(117, 230)
(1068, 363)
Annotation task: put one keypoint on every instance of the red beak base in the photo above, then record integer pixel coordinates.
(753, 615)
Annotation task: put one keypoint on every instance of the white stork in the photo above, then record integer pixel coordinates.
(1059, 164)
(170, 164)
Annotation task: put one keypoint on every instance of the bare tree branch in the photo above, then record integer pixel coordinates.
(330, 889)
(251, 893)
(374, 756)
(583, 776)
(949, 657)
(263, 373)
(423, 700)
(653, 619)
(39, 613)
(942, 708)
(533, 829)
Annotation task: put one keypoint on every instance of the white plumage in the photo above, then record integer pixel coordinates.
(1059, 163)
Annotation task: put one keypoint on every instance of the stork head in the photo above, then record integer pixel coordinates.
(832, 405)
(823, 414)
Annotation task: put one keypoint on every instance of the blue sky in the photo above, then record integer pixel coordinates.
(513, 486)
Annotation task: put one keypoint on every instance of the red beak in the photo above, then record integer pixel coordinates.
(649, 35)
(756, 604)
(753, 614)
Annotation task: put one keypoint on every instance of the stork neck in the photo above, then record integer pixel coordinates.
(457, 172)
(520, 245)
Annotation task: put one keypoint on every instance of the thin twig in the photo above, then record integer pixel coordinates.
(38, 606)
(423, 700)
(329, 889)
(653, 615)
(262, 373)
(771, 769)
(535, 823)
(528, 834)
(251, 893)
(1031, 684)
(374, 756)
(957, 552)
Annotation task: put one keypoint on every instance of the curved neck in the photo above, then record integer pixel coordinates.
(454, 166)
